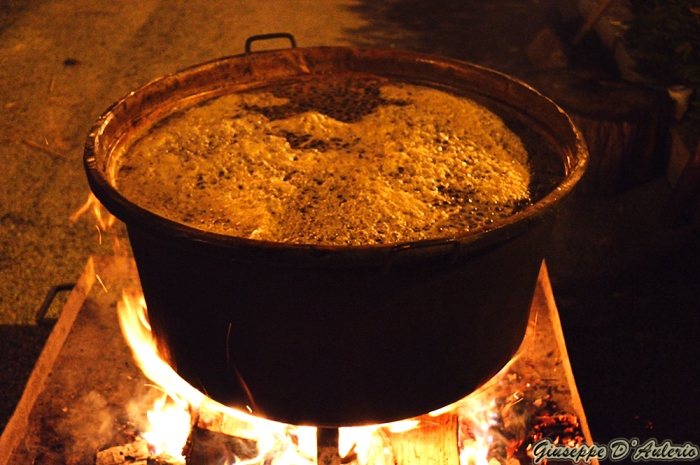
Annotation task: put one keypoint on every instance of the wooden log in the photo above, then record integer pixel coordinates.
(213, 419)
(205, 447)
(18, 426)
(219, 438)
(135, 453)
(434, 442)
(625, 126)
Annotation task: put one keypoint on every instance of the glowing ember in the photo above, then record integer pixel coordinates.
(477, 417)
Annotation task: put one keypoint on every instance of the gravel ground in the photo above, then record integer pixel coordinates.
(626, 279)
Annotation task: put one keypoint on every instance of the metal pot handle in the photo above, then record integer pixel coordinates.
(274, 35)
(41, 313)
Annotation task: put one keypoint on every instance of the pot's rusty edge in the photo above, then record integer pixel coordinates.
(166, 94)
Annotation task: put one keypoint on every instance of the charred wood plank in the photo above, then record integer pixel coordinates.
(135, 453)
(435, 442)
(219, 438)
(327, 446)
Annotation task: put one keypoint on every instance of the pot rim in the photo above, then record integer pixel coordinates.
(111, 129)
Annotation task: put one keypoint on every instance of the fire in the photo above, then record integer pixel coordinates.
(170, 427)
(368, 445)
(133, 320)
(475, 437)
(182, 406)
(173, 414)
(171, 423)
(104, 219)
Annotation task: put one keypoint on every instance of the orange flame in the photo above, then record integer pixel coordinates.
(170, 427)
(477, 415)
(105, 220)
(171, 420)
(368, 444)
(133, 320)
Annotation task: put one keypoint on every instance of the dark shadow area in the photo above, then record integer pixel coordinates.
(20, 346)
(494, 34)
(589, 53)
(10, 11)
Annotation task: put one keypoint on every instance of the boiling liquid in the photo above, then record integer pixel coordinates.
(343, 161)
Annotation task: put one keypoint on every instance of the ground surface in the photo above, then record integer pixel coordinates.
(627, 282)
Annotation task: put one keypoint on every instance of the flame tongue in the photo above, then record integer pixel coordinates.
(104, 219)
(170, 422)
(133, 319)
(182, 406)
(170, 427)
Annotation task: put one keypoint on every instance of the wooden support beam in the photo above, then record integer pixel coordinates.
(327, 446)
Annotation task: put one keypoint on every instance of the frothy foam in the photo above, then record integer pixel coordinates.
(344, 161)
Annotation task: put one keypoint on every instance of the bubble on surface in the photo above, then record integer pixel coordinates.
(342, 161)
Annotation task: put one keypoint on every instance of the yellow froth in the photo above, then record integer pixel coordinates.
(420, 163)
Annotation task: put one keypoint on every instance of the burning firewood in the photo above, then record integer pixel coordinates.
(135, 453)
(206, 447)
(219, 438)
(434, 443)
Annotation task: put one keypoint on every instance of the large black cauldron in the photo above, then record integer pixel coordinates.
(334, 335)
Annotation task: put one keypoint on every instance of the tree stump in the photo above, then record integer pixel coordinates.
(625, 126)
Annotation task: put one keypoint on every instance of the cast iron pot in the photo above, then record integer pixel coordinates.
(336, 335)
